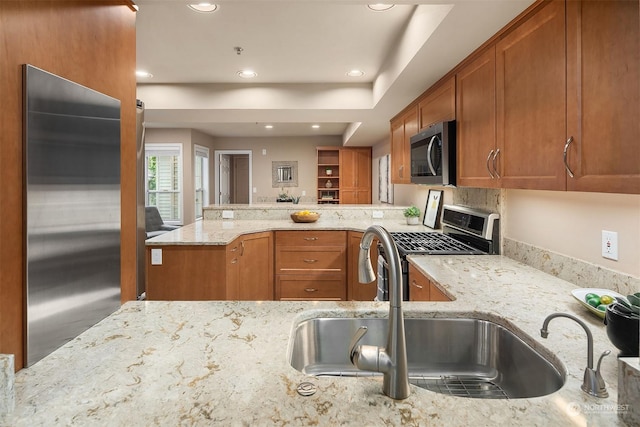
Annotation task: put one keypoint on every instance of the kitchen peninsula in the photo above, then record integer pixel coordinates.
(234, 244)
(226, 363)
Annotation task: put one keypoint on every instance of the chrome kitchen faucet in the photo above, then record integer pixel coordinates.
(593, 383)
(391, 360)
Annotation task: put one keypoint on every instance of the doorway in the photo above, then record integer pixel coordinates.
(233, 178)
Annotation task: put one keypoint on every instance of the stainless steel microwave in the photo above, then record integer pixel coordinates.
(433, 155)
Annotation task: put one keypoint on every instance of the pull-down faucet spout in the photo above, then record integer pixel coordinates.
(392, 359)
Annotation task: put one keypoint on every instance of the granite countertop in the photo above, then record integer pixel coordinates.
(221, 232)
(226, 363)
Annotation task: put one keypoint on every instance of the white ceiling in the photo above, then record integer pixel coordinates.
(302, 51)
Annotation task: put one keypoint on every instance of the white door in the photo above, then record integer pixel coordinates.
(225, 179)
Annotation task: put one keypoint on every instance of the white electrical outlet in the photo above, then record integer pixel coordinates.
(377, 214)
(156, 256)
(304, 193)
(227, 214)
(264, 151)
(255, 189)
(610, 244)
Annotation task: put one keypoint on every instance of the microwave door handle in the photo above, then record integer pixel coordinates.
(429, 148)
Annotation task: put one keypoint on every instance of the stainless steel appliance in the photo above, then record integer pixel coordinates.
(465, 231)
(141, 234)
(433, 155)
(72, 209)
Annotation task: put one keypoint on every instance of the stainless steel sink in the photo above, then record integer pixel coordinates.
(462, 357)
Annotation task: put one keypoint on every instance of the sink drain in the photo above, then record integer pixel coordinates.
(306, 389)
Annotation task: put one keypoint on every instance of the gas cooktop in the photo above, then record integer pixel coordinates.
(428, 243)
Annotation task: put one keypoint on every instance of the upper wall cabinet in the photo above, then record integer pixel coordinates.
(476, 126)
(530, 102)
(556, 107)
(439, 104)
(402, 129)
(603, 96)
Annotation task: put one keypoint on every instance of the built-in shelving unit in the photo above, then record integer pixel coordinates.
(328, 181)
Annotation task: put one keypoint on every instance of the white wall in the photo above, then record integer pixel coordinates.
(300, 149)
(571, 223)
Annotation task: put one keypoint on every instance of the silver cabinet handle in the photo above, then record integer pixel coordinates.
(495, 167)
(310, 290)
(564, 156)
(413, 283)
(242, 252)
(311, 239)
(401, 171)
(310, 261)
(488, 168)
(234, 261)
(235, 248)
(429, 148)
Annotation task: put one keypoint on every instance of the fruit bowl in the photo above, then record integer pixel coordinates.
(305, 216)
(580, 295)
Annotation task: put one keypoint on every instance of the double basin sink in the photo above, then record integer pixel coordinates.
(456, 356)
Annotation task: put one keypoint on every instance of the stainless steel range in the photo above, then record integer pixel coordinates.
(465, 231)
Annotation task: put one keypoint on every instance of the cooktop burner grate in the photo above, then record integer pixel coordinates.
(431, 244)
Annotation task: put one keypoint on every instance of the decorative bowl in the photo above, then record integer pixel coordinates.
(622, 330)
(580, 294)
(305, 216)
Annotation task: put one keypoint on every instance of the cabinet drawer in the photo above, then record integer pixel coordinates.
(291, 259)
(311, 238)
(308, 287)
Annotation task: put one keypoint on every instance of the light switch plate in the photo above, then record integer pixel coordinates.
(156, 256)
(610, 244)
(227, 214)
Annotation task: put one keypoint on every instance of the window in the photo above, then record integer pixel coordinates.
(201, 172)
(163, 163)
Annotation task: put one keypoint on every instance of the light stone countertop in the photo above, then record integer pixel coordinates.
(226, 363)
(222, 232)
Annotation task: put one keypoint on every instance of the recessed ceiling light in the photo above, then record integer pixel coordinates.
(247, 74)
(142, 73)
(380, 7)
(315, 126)
(355, 73)
(205, 7)
(268, 126)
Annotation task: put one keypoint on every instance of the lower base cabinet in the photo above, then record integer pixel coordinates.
(357, 291)
(422, 288)
(186, 273)
(249, 268)
(310, 265)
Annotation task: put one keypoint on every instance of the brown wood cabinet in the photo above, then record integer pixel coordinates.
(355, 164)
(328, 177)
(476, 126)
(187, 273)
(531, 101)
(422, 288)
(357, 291)
(438, 104)
(249, 268)
(344, 175)
(402, 129)
(310, 265)
(603, 95)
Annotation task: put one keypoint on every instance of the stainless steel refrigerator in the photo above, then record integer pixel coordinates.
(72, 209)
(141, 233)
